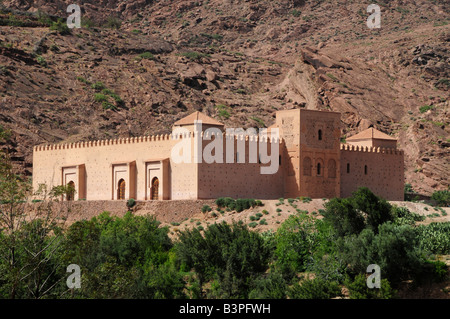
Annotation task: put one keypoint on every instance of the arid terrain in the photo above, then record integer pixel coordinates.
(238, 61)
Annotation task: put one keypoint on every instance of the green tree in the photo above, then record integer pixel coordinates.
(341, 213)
(30, 239)
(362, 210)
(232, 255)
(124, 257)
(296, 240)
(394, 249)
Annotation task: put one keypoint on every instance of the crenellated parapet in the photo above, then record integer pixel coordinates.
(99, 143)
(154, 138)
(366, 149)
(225, 136)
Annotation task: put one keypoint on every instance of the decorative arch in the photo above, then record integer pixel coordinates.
(121, 188)
(332, 168)
(319, 167)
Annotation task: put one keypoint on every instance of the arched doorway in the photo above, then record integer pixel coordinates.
(121, 189)
(70, 191)
(155, 188)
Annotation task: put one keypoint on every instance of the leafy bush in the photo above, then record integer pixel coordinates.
(239, 204)
(435, 238)
(252, 224)
(362, 210)
(192, 55)
(41, 60)
(146, 56)
(61, 27)
(425, 108)
(394, 249)
(295, 242)
(131, 202)
(315, 289)
(98, 97)
(206, 208)
(306, 199)
(233, 255)
(441, 197)
(271, 286)
(403, 216)
(358, 289)
(98, 86)
(124, 257)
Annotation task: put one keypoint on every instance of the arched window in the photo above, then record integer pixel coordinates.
(332, 168)
(319, 169)
(121, 189)
(70, 191)
(155, 189)
(365, 169)
(320, 135)
(307, 166)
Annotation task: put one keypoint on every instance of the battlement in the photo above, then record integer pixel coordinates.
(152, 138)
(356, 148)
(118, 141)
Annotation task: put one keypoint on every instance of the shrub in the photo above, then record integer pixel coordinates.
(232, 254)
(271, 286)
(113, 23)
(425, 108)
(315, 289)
(295, 241)
(306, 199)
(146, 55)
(41, 61)
(98, 97)
(206, 208)
(441, 197)
(265, 212)
(358, 289)
(98, 86)
(394, 249)
(278, 210)
(434, 238)
(263, 222)
(131, 202)
(296, 13)
(108, 106)
(363, 210)
(192, 55)
(253, 224)
(402, 216)
(61, 27)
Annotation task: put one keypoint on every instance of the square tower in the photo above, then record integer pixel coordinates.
(312, 152)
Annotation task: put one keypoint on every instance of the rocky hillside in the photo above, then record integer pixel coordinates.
(135, 67)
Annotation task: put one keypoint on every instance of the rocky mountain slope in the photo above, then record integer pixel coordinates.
(135, 67)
